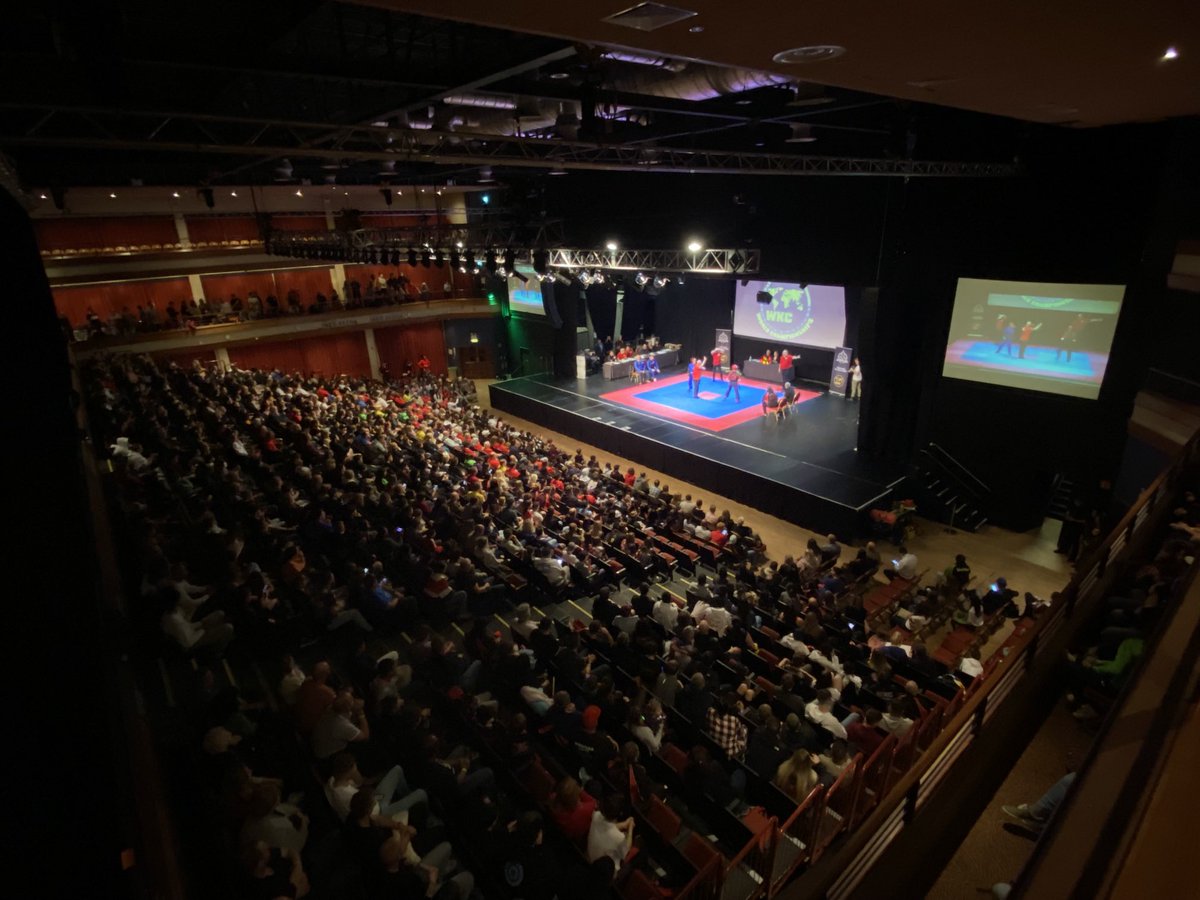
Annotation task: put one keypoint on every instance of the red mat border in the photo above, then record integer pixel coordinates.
(628, 397)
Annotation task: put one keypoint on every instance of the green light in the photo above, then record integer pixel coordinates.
(491, 298)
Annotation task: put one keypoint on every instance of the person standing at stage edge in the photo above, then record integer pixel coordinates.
(691, 375)
(855, 379)
(735, 375)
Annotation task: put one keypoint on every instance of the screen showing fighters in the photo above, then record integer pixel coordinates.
(525, 296)
(1041, 337)
(806, 315)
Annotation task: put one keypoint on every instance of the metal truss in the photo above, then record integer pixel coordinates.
(371, 245)
(126, 130)
(707, 261)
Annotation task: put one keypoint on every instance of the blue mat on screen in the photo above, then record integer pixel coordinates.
(1037, 361)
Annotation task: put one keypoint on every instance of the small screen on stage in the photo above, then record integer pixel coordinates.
(808, 315)
(1040, 337)
(525, 296)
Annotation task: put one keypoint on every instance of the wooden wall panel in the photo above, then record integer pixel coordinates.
(97, 233)
(107, 299)
(402, 344)
(327, 355)
(222, 228)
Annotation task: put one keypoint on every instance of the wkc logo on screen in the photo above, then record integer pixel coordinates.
(788, 315)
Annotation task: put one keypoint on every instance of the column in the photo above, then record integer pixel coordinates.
(372, 352)
(616, 335)
(223, 359)
(338, 276)
(185, 239)
(196, 286)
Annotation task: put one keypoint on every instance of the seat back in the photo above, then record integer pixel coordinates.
(674, 757)
(876, 777)
(638, 886)
(663, 819)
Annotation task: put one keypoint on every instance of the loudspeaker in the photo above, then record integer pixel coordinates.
(763, 296)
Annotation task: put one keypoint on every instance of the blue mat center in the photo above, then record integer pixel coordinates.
(712, 402)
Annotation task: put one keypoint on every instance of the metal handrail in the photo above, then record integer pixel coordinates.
(962, 470)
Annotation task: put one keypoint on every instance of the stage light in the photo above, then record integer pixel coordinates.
(468, 260)
(299, 193)
(485, 199)
(175, 194)
(456, 260)
(598, 277)
(540, 258)
(233, 193)
(206, 194)
(585, 277)
(611, 246)
(694, 246)
(395, 256)
(1170, 54)
(112, 196)
(458, 244)
(661, 281)
(521, 278)
(640, 279)
(474, 338)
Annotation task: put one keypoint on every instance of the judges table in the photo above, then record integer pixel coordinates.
(761, 371)
(623, 368)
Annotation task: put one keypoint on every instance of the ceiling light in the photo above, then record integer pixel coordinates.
(694, 246)
(233, 193)
(813, 53)
(696, 29)
(41, 196)
(299, 193)
(422, 190)
(113, 196)
(743, 102)
(557, 170)
(1170, 54)
(611, 246)
(485, 175)
(175, 194)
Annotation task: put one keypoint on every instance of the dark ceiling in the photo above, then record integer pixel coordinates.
(87, 97)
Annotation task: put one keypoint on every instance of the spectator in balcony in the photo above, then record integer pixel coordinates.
(726, 728)
(609, 835)
(254, 306)
(895, 720)
(867, 735)
(293, 303)
(237, 307)
(572, 808)
(796, 776)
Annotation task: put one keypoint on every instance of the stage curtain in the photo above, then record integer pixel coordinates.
(602, 307)
(222, 228)
(222, 287)
(308, 282)
(636, 319)
(403, 344)
(95, 234)
(107, 299)
(690, 314)
(327, 355)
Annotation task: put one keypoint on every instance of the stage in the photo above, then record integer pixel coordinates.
(803, 469)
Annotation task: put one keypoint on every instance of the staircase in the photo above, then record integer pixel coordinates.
(1062, 498)
(949, 492)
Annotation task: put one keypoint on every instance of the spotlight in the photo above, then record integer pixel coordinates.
(598, 277)
(640, 279)
(694, 246)
(661, 281)
(611, 246)
(521, 278)
(387, 195)
(175, 194)
(485, 199)
(585, 277)
(412, 256)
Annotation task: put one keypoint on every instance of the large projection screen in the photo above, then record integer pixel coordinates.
(811, 315)
(525, 296)
(1035, 336)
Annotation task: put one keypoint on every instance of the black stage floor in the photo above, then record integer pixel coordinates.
(804, 469)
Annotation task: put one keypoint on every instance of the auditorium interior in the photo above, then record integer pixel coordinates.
(621, 450)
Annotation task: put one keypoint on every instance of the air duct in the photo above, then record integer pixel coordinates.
(480, 101)
(698, 83)
(643, 59)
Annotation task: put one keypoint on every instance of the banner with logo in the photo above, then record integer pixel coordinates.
(839, 378)
(724, 343)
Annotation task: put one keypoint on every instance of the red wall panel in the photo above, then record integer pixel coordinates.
(328, 355)
(185, 358)
(118, 231)
(222, 287)
(106, 299)
(308, 282)
(223, 228)
(402, 344)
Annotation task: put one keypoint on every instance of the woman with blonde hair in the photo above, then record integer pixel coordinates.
(796, 776)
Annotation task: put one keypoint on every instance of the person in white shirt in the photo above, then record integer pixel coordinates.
(341, 724)
(211, 631)
(894, 721)
(665, 612)
(820, 712)
(855, 379)
(552, 569)
(650, 726)
(608, 835)
(687, 506)
(718, 618)
(905, 566)
(278, 825)
(970, 664)
(393, 798)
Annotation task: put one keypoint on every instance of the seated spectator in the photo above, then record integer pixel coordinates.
(437, 875)
(572, 808)
(609, 835)
(796, 776)
(273, 873)
(905, 566)
(894, 721)
(211, 631)
(342, 723)
(313, 697)
(726, 728)
(836, 760)
(866, 735)
(392, 794)
(278, 825)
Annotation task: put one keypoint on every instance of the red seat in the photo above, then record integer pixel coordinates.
(663, 819)
(674, 757)
(638, 886)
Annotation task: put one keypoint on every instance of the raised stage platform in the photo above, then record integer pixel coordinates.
(803, 469)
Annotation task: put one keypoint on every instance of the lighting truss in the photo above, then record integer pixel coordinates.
(44, 125)
(710, 261)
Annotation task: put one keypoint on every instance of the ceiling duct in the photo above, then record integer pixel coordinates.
(644, 59)
(697, 83)
(480, 101)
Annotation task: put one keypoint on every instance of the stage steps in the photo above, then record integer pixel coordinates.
(947, 491)
(1062, 498)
